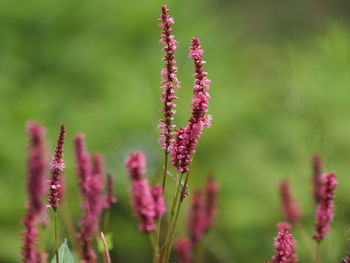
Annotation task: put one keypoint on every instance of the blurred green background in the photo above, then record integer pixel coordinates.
(280, 91)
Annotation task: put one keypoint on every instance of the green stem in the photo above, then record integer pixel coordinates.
(171, 230)
(166, 157)
(56, 242)
(154, 245)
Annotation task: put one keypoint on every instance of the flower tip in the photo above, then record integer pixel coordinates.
(284, 226)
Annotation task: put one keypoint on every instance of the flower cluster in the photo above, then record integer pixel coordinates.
(169, 80)
(187, 138)
(36, 167)
(325, 206)
(148, 203)
(290, 208)
(90, 177)
(284, 245)
(56, 168)
(183, 247)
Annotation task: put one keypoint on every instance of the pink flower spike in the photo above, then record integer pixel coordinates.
(83, 165)
(187, 138)
(56, 168)
(143, 204)
(110, 198)
(29, 237)
(197, 219)
(135, 163)
(211, 191)
(285, 246)
(316, 176)
(36, 164)
(325, 207)
(169, 80)
(290, 207)
(183, 248)
(142, 199)
(159, 202)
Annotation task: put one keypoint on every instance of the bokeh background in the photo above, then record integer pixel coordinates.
(280, 91)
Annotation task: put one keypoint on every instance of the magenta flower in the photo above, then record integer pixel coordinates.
(95, 187)
(56, 168)
(211, 191)
(142, 199)
(187, 138)
(83, 165)
(91, 187)
(197, 218)
(183, 248)
(135, 164)
(285, 246)
(29, 237)
(36, 164)
(325, 207)
(159, 202)
(316, 176)
(290, 207)
(110, 198)
(169, 80)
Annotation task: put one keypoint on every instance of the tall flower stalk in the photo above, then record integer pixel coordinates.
(169, 83)
(90, 177)
(36, 181)
(187, 137)
(55, 182)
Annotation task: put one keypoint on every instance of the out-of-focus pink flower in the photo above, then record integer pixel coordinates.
(56, 168)
(83, 165)
(290, 207)
(285, 246)
(187, 138)
(159, 202)
(211, 191)
(95, 187)
(135, 164)
(29, 237)
(143, 204)
(36, 164)
(169, 80)
(142, 199)
(110, 198)
(316, 176)
(183, 248)
(325, 206)
(197, 218)
(90, 177)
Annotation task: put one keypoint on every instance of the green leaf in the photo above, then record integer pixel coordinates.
(64, 254)
(174, 176)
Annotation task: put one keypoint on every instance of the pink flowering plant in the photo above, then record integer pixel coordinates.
(156, 206)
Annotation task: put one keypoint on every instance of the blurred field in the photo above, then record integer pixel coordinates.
(280, 92)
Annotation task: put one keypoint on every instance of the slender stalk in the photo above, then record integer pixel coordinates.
(176, 193)
(166, 157)
(56, 241)
(107, 257)
(171, 230)
(159, 223)
(154, 245)
(318, 253)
